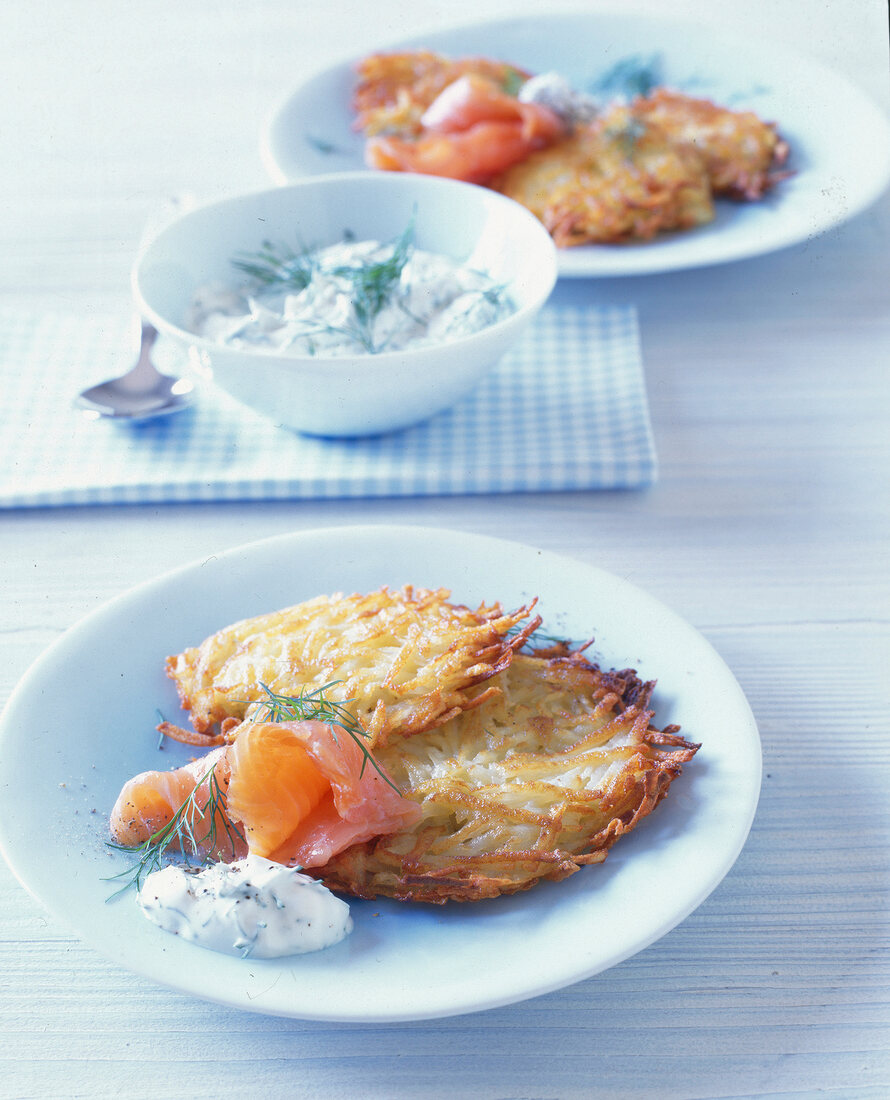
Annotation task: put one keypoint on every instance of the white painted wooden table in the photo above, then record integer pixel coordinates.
(768, 531)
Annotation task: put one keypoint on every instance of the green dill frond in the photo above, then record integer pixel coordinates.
(314, 705)
(630, 77)
(495, 295)
(277, 267)
(540, 639)
(512, 81)
(305, 706)
(322, 145)
(192, 830)
(374, 283)
(627, 135)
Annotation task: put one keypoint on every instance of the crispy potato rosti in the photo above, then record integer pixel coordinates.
(742, 154)
(404, 660)
(639, 169)
(617, 179)
(394, 89)
(539, 780)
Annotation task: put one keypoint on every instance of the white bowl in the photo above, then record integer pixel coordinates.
(361, 394)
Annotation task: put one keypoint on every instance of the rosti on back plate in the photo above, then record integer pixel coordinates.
(405, 660)
(539, 780)
(615, 179)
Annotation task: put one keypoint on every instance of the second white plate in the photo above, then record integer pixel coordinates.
(840, 141)
(61, 769)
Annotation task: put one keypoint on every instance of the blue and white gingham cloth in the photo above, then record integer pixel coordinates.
(565, 410)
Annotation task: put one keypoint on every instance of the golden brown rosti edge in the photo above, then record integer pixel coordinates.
(743, 155)
(404, 661)
(536, 782)
(614, 180)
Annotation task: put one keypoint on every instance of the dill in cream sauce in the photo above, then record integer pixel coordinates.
(351, 298)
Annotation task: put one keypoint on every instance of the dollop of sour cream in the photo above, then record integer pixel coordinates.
(554, 91)
(431, 300)
(252, 907)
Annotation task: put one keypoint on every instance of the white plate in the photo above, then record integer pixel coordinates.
(82, 722)
(840, 141)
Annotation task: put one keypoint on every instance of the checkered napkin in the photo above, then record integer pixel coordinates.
(565, 410)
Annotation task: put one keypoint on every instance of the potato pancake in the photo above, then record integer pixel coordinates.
(616, 179)
(404, 661)
(743, 155)
(639, 168)
(536, 782)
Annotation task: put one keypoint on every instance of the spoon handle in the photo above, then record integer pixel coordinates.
(147, 337)
(144, 375)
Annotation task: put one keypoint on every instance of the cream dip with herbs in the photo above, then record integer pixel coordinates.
(352, 298)
(253, 908)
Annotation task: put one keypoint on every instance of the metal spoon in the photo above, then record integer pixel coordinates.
(141, 393)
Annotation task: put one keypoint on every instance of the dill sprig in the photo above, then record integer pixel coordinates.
(627, 135)
(632, 76)
(374, 282)
(193, 830)
(540, 639)
(305, 706)
(198, 830)
(322, 145)
(277, 266)
(512, 81)
(495, 295)
(314, 705)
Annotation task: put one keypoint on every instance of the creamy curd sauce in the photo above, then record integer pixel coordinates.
(352, 304)
(554, 91)
(252, 907)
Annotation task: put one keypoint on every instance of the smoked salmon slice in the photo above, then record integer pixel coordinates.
(300, 792)
(150, 800)
(472, 131)
(305, 790)
(474, 99)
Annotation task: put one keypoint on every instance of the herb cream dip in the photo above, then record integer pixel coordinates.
(351, 298)
(252, 907)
